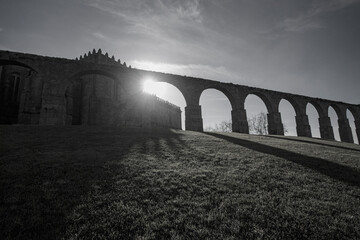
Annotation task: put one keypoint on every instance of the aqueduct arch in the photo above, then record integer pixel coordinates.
(289, 116)
(344, 126)
(351, 117)
(266, 100)
(254, 106)
(51, 77)
(218, 95)
(313, 110)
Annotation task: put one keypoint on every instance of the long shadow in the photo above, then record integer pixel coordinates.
(334, 170)
(317, 143)
(62, 169)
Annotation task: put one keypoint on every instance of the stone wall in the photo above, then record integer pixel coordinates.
(160, 113)
(91, 99)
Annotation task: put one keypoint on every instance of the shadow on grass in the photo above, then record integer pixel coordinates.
(313, 142)
(46, 172)
(334, 170)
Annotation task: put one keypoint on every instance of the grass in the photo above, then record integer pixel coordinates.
(103, 183)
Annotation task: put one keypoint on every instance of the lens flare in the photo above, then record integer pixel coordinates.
(156, 88)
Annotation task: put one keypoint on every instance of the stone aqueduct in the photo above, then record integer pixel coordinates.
(51, 76)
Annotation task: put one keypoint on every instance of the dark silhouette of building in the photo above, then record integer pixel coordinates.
(97, 90)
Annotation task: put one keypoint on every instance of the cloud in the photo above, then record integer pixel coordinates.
(184, 9)
(157, 18)
(163, 29)
(310, 19)
(135, 10)
(302, 23)
(1, 29)
(219, 73)
(99, 35)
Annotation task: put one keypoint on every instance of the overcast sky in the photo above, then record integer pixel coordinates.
(308, 47)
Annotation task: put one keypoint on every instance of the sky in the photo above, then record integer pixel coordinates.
(307, 47)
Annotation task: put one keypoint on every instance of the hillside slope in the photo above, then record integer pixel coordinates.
(90, 183)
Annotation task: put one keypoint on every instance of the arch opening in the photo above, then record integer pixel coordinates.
(167, 92)
(351, 119)
(313, 116)
(15, 86)
(7, 62)
(256, 112)
(334, 122)
(288, 117)
(90, 98)
(216, 111)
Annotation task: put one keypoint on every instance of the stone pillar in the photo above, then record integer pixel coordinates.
(302, 125)
(275, 125)
(326, 130)
(239, 121)
(193, 119)
(357, 125)
(345, 130)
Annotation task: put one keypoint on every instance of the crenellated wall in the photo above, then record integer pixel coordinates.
(52, 83)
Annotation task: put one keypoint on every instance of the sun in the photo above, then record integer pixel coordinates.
(149, 86)
(155, 88)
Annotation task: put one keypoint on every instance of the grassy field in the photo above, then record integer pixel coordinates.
(103, 183)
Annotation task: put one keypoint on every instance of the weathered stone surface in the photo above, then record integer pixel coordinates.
(193, 119)
(326, 130)
(239, 121)
(345, 130)
(96, 90)
(357, 125)
(275, 125)
(302, 125)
